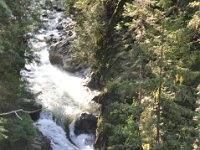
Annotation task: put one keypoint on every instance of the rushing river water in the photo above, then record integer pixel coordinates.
(63, 94)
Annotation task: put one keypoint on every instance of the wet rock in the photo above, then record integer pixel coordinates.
(57, 5)
(95, 81)
(35, 116)
(60, 47)
(54, 6)
(86, 123)
(59, 9)
(60, 6)
(44, 13)
(41, 142)
(69, 26)
(57, 52)
(47, 39)
(55, 58)
(59, 27)
(54, 39)
(69, 33)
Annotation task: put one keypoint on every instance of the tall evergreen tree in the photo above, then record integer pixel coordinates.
(15, 18)
(145, 54)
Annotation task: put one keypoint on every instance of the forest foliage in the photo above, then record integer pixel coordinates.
(16, 19)
(145, 57)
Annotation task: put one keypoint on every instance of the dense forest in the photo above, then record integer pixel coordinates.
(16, 19)
(144, 57)
(146, 61)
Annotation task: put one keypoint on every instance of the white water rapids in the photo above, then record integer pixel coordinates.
(62, 94)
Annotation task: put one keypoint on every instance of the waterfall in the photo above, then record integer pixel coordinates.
(63, 94)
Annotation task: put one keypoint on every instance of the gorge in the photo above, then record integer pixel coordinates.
(99, 75)
(63, 94)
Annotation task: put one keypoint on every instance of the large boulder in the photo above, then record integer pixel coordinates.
(55, 58)
(95, 81)
(60, 47)
(86, 123)
(59, 53)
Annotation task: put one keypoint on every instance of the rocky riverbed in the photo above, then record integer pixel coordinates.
(61, 92)
(62, 34)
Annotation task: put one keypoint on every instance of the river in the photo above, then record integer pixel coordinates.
(63, 95)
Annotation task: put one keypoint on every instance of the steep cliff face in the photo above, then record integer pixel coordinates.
(40, 142)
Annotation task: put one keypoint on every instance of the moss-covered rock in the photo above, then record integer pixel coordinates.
(86, 123)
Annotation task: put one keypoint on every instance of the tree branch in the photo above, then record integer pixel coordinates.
(18, 116)
(21, 110)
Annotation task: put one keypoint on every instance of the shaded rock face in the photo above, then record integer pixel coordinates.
(55, 58)
(41, 142)
(86, 123)
(95, 81)
(35, 116)
(101, 141)
(31, 106)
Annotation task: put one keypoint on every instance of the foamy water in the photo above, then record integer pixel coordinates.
(55, 133)
(58, 89)
(83, 141)
(61, 93)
